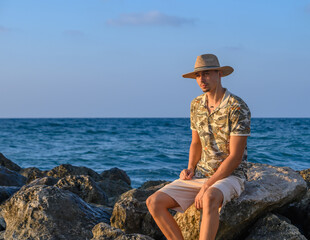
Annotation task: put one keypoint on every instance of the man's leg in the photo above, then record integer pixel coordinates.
(212, 200)
(158, 205)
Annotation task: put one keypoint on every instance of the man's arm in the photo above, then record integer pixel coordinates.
(236, 148)
(194, 156)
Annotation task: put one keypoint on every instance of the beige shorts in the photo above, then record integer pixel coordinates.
(185, 191)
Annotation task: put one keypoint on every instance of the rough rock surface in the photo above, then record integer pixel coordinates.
(116, 174)
(306, 175)
(103, 231)
(47, 212)
(6, 192)
(135, 236)
(67, 170)
(189, 222)
(2, 235)
(85, 187)
(32, 173)
(273, 227)
(131, 215)
(11, 178)
(268, 188)
(4, 162)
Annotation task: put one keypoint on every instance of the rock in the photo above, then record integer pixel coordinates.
(4, 162)
(85, 187)
(6, 192)
(11, 178)
(299, 214)
(2, 235)
(48, 181)
(47, 212)
(116, 174)
(268, 188)
(272, 227)
(113, 189)
(131, 215)
(134, 236)
(306, 175)
(103, 231)
(152, 183)
(67, 170)
(189, 222)
(32, 173)
(2, 223)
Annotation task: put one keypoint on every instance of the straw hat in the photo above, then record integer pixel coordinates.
(208, 62)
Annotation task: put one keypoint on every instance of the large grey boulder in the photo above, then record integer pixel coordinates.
(103, 231)
(67, 170)
(131, 215)
(4, 162)
(273, 227)
(47, 212)
(11, 178)
(85, 187)
(268, 188)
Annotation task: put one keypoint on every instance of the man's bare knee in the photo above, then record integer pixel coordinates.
(212, 200)
(159, 201)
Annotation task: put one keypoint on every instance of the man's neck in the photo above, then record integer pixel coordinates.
(216, 95)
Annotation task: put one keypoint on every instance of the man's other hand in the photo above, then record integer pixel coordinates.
(187, 174)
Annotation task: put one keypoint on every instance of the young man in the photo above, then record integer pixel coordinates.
(220, 123)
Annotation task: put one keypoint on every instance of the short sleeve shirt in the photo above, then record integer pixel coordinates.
(231, 118)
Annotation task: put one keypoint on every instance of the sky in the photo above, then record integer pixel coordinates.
(125, 58)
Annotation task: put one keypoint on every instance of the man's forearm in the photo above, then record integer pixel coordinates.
(194, 155)
(226, 169)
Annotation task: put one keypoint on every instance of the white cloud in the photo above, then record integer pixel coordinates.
(149, 18)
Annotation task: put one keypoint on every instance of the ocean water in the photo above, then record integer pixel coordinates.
(146, 148)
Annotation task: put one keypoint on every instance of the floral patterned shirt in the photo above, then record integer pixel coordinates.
(231, 118)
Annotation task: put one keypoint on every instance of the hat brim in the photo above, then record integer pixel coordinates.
(226, 70)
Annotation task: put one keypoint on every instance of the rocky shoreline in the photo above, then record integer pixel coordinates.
(69, 202)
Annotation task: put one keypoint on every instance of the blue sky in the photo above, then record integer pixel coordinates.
(125, 58)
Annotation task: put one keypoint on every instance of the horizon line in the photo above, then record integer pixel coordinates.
(1, 118)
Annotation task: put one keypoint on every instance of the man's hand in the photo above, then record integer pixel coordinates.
(186, 174)
(199, 196)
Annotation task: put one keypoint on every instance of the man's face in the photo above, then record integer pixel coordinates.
(208, 80)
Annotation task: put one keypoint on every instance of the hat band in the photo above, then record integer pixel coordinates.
(204, 67)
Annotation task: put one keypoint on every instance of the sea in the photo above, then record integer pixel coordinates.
(146, 148)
